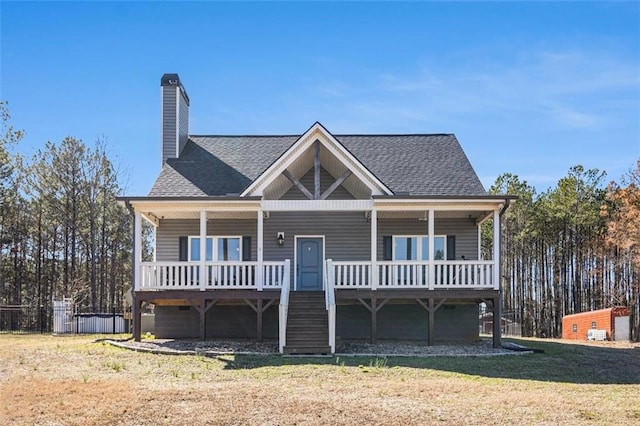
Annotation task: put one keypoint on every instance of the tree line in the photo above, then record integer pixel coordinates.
(62, 233)
(572, 248)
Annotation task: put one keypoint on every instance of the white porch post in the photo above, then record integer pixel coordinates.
(260, 271)
(496, 249)
(480, 242)
(203, 249)
(137, 250)
(374, 249)
(432, 266)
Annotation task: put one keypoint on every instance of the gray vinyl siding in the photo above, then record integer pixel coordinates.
(326, 180)
(168, 122)
(465, 231)
(170, 230)
(347, 234)
(183, 122)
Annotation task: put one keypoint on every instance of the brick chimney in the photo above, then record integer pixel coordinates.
(175, 116)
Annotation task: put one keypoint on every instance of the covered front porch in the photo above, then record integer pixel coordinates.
(395, 254)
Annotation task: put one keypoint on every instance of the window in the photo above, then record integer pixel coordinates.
(575, 328)
(593, 325)
(228, 249)
(417, 247)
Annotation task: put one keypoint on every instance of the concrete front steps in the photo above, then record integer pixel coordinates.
(307, 324)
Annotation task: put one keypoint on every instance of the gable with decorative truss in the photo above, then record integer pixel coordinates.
(319, 153)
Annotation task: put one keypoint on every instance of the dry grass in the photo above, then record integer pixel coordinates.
(74, 380)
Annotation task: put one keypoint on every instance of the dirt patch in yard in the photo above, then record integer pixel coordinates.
(76, 381)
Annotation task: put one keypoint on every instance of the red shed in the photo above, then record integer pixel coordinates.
(577, 326)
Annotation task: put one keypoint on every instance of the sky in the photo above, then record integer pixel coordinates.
(528, 88)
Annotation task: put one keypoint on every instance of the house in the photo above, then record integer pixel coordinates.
(313, 237)
(601, 324)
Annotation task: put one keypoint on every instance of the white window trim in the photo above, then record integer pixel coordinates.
(214, 247)
(418, 246)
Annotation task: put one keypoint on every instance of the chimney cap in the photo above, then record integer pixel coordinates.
(172, 79)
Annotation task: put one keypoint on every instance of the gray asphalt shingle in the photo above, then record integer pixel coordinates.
(414, 164)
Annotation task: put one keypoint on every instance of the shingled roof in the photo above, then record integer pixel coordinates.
(422, 165)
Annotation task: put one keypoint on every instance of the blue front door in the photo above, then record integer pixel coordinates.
(309, 258)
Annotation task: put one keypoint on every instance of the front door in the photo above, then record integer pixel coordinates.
(309, 258)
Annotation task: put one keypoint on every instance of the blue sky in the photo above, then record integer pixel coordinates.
(528, 88)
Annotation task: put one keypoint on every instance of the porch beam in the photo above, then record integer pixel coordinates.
(317, 205)
(335, 185)
(260, 243)
(297, 184)
(439, 205)
(373, 276)
(432, 267)
(316, 170)
(203, 248)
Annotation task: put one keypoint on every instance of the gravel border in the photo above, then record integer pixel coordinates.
(214, 348)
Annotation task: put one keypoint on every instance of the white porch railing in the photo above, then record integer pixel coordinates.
(464, 274)
(330, 303)
(283, 308)
(169, 276)
(402, 274)
(218, 275)
(351, 274)
(457, 274)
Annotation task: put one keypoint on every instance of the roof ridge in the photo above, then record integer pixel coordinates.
(335, 135)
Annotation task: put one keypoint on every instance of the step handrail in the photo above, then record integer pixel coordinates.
(283, 308)
(330, 302)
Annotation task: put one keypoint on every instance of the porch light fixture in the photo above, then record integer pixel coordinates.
(280, 238)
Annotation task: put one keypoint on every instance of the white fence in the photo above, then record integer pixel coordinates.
(66, 320)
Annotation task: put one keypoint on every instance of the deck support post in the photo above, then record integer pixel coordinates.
(374, 320)
(259, 321)
(136, 316)
(203, 319)
(497, 323)
(431, 325)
